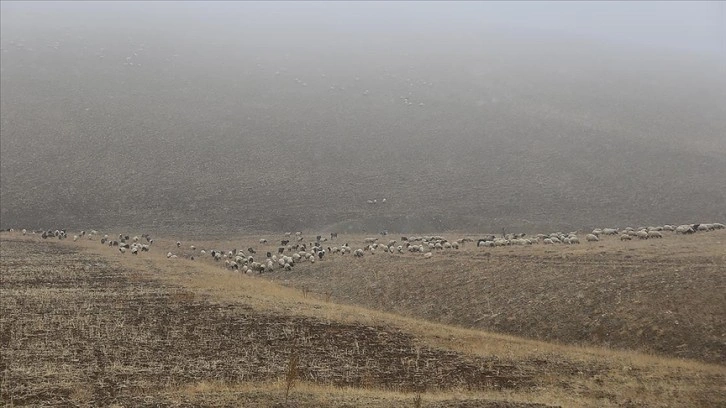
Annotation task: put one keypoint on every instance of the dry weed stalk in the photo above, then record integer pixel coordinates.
(291, 374)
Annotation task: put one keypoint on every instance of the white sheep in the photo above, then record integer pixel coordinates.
(428, 255)
(591, 238)
(654, 234)
(625, 237)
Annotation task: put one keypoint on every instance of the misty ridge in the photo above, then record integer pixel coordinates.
(249, 117)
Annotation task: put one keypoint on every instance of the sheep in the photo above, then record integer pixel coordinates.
(609, 231)
(685, 229)
(122, 250)
(178, 244)
(263, 241)
(358, 253)
(428, 255)
(718, 225)
(574, 240)
(654, 234)
(169, 254)
(625, 237)
(591, 238)
(642, 234)
(192, 247)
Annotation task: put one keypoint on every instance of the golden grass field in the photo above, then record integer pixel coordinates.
(84, 325)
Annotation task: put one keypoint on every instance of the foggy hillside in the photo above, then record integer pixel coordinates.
(248, 119)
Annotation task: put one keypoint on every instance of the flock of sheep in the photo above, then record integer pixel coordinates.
(295, 248)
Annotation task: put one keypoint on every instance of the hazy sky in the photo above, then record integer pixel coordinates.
(678, 26)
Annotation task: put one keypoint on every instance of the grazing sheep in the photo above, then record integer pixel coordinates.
(592, 238)
(642, 234)
(428, 255)
(178, 244)
(685, 229)
(609, 231)
(625, 237)
(263, 241)
(122, 250)
(169, 254)
(654, 234)
(358, 253)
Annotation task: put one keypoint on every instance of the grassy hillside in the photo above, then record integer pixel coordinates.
(225, 133)
(85, 325)
(663, 297)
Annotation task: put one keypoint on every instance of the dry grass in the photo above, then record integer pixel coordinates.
(133, 316)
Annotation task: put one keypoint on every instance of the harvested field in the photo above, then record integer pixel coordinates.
(86, 329)
(666, 296)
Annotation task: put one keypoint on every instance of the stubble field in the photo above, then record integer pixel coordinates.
(83, 325)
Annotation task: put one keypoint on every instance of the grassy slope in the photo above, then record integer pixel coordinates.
(663, 296)
(508, 136)
(562, 375)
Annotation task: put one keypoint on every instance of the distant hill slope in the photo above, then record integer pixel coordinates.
(473, 134)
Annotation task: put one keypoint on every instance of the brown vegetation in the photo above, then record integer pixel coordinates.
(99, 328)
(664, 296)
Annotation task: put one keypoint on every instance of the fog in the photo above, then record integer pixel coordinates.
(239, 116)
